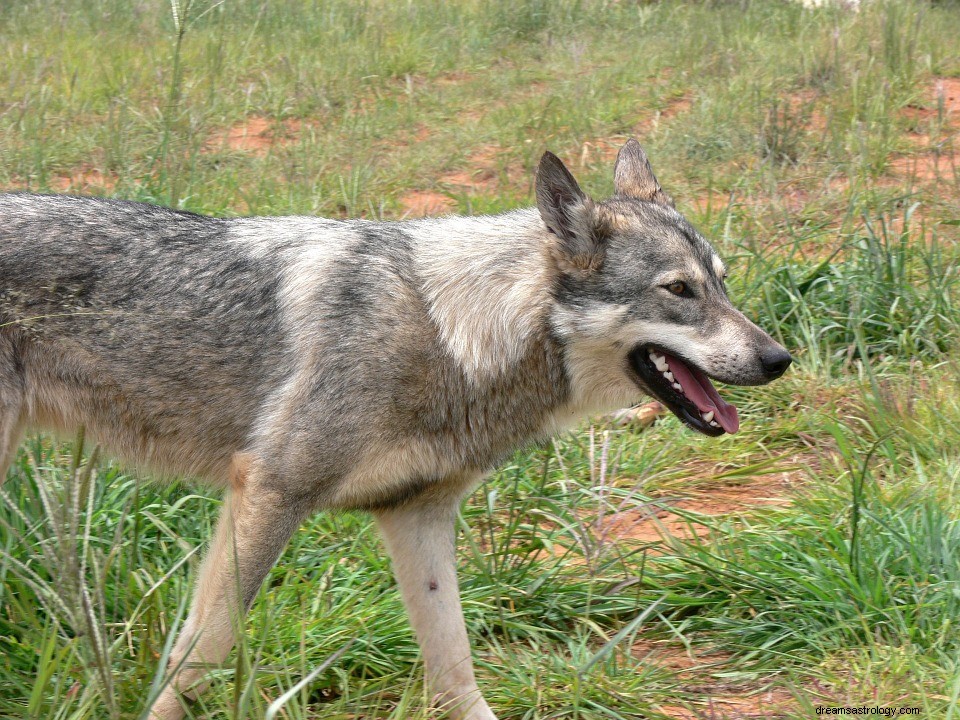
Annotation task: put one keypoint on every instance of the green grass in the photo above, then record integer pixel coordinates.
(789, 121)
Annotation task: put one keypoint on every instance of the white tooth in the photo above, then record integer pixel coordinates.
(715, 424)
(678, 386)
(707, 416)
(668, 376)
(661, 363)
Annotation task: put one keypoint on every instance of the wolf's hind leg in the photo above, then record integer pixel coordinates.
(11, 406)
(420, 537)
(11, 429)
(255, 525)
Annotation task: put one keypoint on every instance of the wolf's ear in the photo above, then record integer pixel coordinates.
(569, 214)
(633, 177)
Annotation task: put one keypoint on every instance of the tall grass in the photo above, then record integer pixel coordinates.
(885, 289)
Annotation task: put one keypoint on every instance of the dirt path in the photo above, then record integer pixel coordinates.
(699, 669)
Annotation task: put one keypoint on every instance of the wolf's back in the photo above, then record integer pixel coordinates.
(144, 304)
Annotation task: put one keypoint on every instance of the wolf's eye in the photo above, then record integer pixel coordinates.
(677, 288)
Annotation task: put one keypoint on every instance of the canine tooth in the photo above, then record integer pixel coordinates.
(661, 362)
(668, 376)
(678, 386)
(715, 423)
(707, 416)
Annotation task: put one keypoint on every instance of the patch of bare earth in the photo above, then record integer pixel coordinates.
(698, 669)
(928, 166)
(794, 113)
(421, 203)
(672, 517)
(84, 180)
(935, 158)
(694, 668)
(486, 172)
(256, 135)
(604, 150)
(765, 705)
(415, 135)
(801, 109)
(710, 201)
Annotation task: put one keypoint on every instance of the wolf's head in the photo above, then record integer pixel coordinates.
(641, 302)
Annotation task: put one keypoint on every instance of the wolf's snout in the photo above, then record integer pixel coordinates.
(775, 361)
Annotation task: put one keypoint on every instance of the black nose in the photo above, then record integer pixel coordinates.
(775, 361)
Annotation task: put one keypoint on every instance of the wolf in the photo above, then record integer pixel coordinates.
(306, 364)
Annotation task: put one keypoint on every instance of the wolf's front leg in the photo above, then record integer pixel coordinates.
(420, 537)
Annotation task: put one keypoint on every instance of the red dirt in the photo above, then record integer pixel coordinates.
(712, 201)
(483, 177)
(453, 77)
(675, 107)
(256, 135)
(84, 180)
(415, 135)
(485, 172)
(696, 668)
(479, 180)
(654, 524)
(693, 669)
(604, 150)
(935, 158)
(918, 115)
(420, 203)
(949, 90)
(927, 167)
(766, 705)
(677, 658)
(805, 103)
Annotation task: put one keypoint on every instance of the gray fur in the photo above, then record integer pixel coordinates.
(305, 363)
(633, 177)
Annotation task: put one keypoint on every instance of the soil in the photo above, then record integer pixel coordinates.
(695, 667)
(658, 523)
(717, 700)
(765, 705)
(604, 150)
(484, 175)
(710, 201)
(256, 135)
(935, 157)
(420, 203)
(84, 180)
(489, 171)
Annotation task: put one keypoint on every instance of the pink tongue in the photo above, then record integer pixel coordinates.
(698, 388)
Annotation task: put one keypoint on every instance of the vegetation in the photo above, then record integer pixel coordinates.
(816, 147)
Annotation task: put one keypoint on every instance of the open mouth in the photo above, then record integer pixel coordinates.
(685, 389)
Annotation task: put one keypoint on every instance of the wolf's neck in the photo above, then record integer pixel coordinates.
(487, 285)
